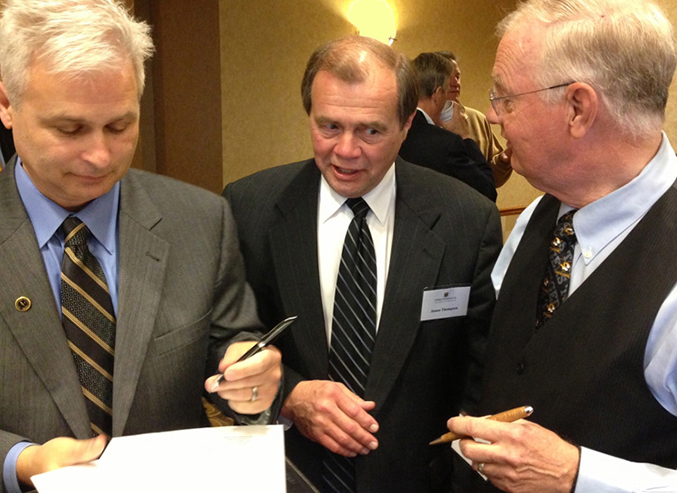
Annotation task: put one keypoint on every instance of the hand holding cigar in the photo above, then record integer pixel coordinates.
(504, 417)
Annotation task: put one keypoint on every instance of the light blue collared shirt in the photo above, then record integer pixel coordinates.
(600, 227)
(101, 217)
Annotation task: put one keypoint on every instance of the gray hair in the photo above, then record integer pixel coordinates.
(74, 37)
(344, 58)
(625, 49)
(433, 71)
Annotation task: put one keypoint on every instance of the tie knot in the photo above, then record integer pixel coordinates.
(75, 231)
(565, 225)
(358, 206)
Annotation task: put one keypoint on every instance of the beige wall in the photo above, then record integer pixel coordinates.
(670, 7)
(265, 45)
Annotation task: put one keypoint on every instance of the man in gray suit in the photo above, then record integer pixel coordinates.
(435, 240)
(72, 76)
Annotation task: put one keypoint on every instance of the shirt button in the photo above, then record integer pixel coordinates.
(587, 253)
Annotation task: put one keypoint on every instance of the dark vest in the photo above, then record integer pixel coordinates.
(583, 371)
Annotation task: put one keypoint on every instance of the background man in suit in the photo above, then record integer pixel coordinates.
(580, 92)
(429, 232)
(165, 253)
(478, 127)
(449, 150)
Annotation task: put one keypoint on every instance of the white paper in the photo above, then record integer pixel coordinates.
(456, 447)
(447, 302)
(221, 459)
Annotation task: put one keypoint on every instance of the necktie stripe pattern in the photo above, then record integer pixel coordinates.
(354, 320)
(555, 287)
(89, 323)
(353, 329)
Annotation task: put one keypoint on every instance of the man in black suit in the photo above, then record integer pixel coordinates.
(429, 231)
(439, 148)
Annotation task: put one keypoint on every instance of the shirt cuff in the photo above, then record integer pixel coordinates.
(602, 473)
(9, 477)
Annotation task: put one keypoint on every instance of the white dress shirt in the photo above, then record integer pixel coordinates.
(333, 219)
(600, 227)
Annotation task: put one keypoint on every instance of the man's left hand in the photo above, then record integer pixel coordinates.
(522, 456)
(250, 386)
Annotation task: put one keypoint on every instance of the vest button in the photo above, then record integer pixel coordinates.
(520, 368)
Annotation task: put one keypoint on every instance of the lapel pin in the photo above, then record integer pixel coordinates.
(22, 304)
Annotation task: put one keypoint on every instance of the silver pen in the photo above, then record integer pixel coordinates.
(265, 341)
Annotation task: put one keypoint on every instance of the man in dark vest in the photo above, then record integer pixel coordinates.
(585, 327)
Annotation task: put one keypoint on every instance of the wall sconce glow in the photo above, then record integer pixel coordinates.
(374, 19)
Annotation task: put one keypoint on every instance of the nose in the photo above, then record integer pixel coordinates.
(347, 146)
(97, 150)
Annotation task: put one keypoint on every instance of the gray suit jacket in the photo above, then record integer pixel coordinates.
(421, 372)
(182, 299)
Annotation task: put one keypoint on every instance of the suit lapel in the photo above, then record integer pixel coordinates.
(38, 331)
(293, 243)
(143, 259)
(414, 265)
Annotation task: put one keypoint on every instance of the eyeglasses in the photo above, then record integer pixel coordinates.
(495, 99)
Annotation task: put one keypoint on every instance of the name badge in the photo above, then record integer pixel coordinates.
(445, 303)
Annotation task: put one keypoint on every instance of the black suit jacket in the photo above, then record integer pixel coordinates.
(436, 148)
(445, 234)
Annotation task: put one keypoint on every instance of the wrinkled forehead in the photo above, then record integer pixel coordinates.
(516, 60)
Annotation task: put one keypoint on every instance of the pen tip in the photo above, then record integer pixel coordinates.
(435, 442)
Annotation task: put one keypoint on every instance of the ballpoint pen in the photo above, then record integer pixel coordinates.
(265, 341)
(504, 417)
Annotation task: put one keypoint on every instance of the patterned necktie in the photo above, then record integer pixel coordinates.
(89, 323)
(555, 287)
(353, 329)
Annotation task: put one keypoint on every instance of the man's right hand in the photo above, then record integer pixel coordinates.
(57, 453)
(330, 414)
(459, 122)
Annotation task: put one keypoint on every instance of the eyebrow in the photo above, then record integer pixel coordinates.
(498, 83)
(321, 120)
(65, 118)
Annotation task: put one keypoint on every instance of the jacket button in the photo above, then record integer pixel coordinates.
(22, 304)
(520, 368)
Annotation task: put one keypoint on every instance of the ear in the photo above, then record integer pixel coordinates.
(439, 93)
(407, 125)
(6, 110)
(582, 107)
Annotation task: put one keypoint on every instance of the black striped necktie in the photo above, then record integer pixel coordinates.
(89, 322)
(555, 287)
(353, 329)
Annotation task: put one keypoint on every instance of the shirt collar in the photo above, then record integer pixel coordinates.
(427, 116)
(100, 215)
(601, 221)
(379, 199)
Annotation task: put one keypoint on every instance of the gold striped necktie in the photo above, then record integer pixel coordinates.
(89, 323)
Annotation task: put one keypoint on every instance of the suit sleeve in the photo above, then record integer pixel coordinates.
(477, 173)
(480, 309)
(234, 317)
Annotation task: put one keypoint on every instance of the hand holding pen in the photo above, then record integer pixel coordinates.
(265, 341)
(520, 453)
(504, 417)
